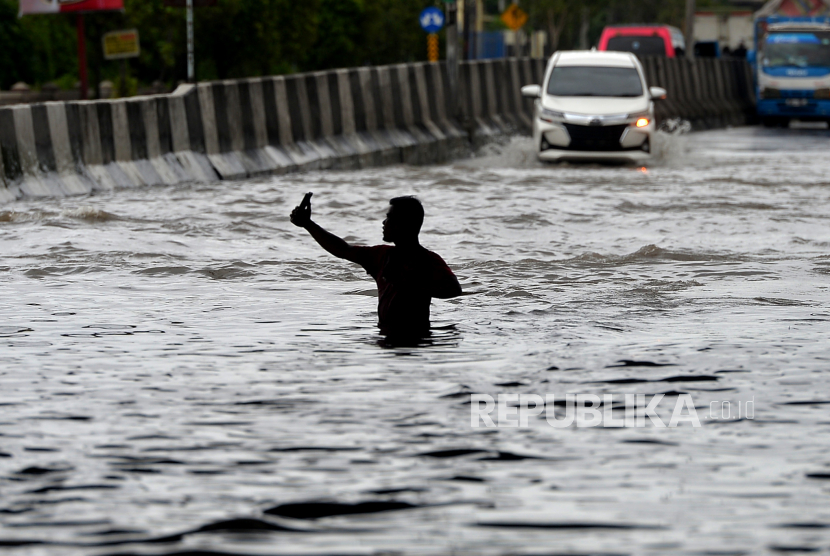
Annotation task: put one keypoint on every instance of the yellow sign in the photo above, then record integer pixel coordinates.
(514, 17)
(121, 44)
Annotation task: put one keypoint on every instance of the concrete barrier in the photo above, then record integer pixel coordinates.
(346, 118)
(709, 93)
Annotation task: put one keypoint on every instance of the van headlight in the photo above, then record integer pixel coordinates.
(640, 119)
(550, 116)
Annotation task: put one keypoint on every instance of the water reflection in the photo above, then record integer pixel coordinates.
(184, 371)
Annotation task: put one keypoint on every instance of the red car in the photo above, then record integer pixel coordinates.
(643, 40)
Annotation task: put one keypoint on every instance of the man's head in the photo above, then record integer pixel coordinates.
(404, 219)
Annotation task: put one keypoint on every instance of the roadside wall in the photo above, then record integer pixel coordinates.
(348, 118)
(709, 92)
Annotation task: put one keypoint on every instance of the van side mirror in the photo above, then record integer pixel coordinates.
(531, 91)
(657, 93)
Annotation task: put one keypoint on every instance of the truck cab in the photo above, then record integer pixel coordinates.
(643, 40)
(792, 65)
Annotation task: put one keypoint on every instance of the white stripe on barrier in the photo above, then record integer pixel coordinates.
(427, 119)
(258, 111)
(347, 118)
(71, 181)
(208, 118)
(161, 169)
(59, 134)
(420, 85)
(31, 183)
(149, 113)
(405, 97)
(25, 132)
(121, 131)
(324, 104)
(305, 112)
(440, 101)
(233, 110)
(364, 76)
(386, 98)
(283, 114)
(179, 134)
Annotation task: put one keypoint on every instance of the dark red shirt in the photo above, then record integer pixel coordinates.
(407, 281)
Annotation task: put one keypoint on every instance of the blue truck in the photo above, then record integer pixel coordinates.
(791, 61)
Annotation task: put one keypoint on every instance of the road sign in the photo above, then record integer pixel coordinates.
(64, 6)
(196, 3)
(432, 19)
(79, 8)
(514, 17)
(121, 44)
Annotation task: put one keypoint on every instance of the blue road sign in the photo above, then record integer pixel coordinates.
(432, 19)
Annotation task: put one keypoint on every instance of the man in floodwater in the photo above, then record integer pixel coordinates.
(408, 275)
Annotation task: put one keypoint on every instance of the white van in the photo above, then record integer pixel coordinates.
(594, 105)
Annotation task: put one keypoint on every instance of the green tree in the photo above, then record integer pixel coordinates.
(236, 38)
(562, 19)
(16, 60)
(391, 32)
(339, 35)
(34, 49)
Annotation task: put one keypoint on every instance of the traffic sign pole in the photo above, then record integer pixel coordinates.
(191, 58)
(123, 84)
(432, 47)
(432, 20)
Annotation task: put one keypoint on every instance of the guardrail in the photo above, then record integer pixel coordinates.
(708, 92)
(347, 118)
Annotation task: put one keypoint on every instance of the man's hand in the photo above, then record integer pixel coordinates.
(301, 215)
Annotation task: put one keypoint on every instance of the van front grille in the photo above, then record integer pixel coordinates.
(595, 138)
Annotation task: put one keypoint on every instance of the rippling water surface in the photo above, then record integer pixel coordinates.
(182, 369)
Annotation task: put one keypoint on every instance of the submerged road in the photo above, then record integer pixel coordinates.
(183, 369)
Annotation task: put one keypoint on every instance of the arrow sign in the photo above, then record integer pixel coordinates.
(431, 19)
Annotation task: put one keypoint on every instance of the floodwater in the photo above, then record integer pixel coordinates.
(184, 370)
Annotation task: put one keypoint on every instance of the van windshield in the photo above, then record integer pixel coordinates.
(641, 45)
(595, 81)
(797, 49)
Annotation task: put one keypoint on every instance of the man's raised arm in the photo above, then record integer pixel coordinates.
(301, 216)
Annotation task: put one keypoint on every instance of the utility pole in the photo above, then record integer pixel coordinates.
(191, 70)
(690, 29)
(452, 56)
(584, 27)
(469, 9)
(82, 73)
